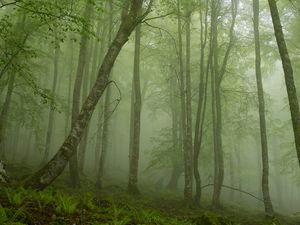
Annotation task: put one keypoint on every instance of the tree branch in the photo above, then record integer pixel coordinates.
(157, 17)
(9, 3)
(235, 189)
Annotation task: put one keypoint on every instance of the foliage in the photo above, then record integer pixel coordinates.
(15, 196)
(65, 204)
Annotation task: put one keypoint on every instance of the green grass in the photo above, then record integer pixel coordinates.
(116, 207)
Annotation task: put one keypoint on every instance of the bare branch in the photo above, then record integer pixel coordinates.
(9, 3)
(235, 189)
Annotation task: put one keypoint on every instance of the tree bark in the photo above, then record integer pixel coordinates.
(201, 104)
(51, 117)
(107, 115)
(101, 108)
(69, 105)
(73, 164)
(182, 93)
(137, 106)
(4, 114)
(54, 168)
(176, 163)
(262, 118)
(288, 73)
(85, 91)
(188, 153)
(217, 78)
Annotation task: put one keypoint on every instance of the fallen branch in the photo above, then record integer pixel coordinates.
(235, 189)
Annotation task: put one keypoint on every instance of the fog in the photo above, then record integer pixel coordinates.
(194, 88)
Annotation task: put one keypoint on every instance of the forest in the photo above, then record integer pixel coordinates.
(158, 112)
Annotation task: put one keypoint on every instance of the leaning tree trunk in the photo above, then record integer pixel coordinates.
(262, 117)
(54, 168)
(137, 106)
(51, 110)
(288, 73)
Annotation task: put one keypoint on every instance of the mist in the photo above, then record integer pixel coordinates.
(149, 112)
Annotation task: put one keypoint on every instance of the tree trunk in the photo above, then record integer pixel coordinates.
(176, 163)
(101, 111)
(201, 104)
(182, 93)
(262, 117)
(73, 164)
(85, 91)
(289, 74)
(4, 114)
(188, 153)
(137, 105)
(214, 88)
(51, 110)
(69, 104)
(217, 78)
(107, 115)
(54, 168)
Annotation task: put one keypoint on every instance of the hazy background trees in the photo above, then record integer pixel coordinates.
(181, 98)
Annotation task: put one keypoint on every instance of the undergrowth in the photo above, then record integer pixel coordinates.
(20, 206)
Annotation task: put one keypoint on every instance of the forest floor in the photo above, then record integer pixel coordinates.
(58, 205)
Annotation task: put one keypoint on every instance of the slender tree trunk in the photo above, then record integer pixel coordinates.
(177, 164)
(85, 91)
(107, 115)
(69, 106)
(232, 172)
(73, 164)
(188, 153)
(51, 117)
(289, 74)
(214, 88)
(239, 170)
(28, 146)
(134, 159)
(217, 78)
(262, 117)
(201, 105)
(101, 111)
(4, 114)
(131, 121)
(182, 100)
(54, 168)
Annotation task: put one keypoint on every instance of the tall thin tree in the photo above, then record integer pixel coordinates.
(51, 117)
(73, 164)
(137, 106)
(262, 117)
(288, 74)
